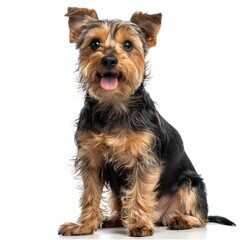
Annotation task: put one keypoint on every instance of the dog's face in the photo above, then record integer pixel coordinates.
(112, 52)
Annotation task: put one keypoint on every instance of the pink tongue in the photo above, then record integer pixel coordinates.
(109, 83)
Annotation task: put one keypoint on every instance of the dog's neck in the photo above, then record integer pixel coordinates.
(110, 116)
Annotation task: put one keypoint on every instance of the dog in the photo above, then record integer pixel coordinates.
(123, 142)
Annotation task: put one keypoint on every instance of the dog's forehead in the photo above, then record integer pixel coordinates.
(108, 29)
(112, 26)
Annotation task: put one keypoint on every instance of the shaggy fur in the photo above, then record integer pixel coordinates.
(123, 142)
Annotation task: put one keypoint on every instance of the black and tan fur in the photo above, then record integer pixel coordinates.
(122, 140)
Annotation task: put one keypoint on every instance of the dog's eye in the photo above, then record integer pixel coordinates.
(127, 45)
(95, 43)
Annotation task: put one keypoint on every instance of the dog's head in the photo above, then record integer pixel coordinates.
(112, 52)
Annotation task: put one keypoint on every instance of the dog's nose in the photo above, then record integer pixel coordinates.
(109, 62)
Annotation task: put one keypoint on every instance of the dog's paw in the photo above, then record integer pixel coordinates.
(74, 229)
(179, 223)
(141, 232)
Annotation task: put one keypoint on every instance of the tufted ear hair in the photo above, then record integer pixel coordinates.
(149, 25)
(78, 17)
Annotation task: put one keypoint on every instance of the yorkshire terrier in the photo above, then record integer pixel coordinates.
(122, 140)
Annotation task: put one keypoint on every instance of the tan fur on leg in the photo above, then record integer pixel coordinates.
(140, 199)
(91, 216)
(179, 211)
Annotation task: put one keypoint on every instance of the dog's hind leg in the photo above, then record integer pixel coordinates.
(185, 209)
(182, 221)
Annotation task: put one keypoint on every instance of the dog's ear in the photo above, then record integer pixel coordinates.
(149, 24)
(78, 17)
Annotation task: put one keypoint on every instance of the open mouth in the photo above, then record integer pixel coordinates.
(109, 80)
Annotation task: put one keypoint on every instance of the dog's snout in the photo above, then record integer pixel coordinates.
(109, 62)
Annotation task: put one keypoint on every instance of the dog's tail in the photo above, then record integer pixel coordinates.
(221, 220)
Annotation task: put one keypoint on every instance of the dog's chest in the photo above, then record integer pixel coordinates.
(109, 147)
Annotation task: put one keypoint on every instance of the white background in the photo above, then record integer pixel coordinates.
(195, 81)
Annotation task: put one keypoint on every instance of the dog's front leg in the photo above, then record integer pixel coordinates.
(140, 198)
(91, 215)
